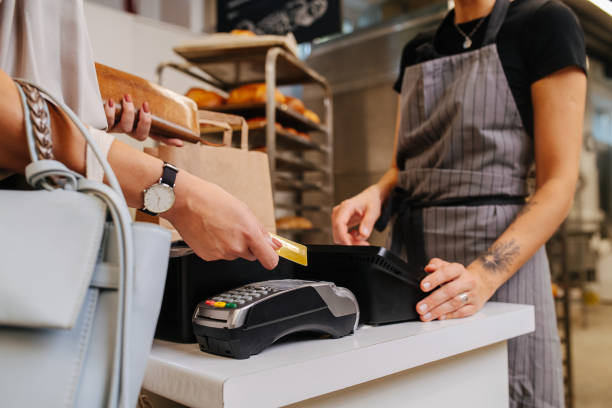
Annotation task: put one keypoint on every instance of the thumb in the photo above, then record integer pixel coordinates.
(367, 222)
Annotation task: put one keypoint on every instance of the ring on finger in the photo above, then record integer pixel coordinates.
(463, 297)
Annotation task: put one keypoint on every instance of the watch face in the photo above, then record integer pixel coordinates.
(159, 198)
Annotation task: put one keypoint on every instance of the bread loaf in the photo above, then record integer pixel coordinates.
(253, 93)
(310, 115)
(261, 121)
(205, 99)
(243, 32)
(296, 104)
(293, 222)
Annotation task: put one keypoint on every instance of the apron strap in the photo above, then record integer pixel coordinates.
(496, 19)
(408, 225)
(427, 51)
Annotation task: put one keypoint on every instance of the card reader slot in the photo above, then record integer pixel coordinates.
(211, 322)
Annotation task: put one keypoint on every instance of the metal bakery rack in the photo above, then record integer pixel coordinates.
(301, 168)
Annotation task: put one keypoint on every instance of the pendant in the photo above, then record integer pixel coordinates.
(467, 43)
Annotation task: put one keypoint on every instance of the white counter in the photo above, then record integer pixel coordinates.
(290, 372)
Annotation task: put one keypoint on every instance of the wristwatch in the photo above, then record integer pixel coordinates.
(159, 197)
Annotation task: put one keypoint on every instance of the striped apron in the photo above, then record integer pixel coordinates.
(464, 156)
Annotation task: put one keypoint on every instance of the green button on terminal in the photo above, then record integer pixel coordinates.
(231, 305)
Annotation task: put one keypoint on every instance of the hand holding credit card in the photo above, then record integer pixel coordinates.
(292, 251)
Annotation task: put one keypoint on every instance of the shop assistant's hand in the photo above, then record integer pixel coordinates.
(452, 282)
(361, 210)
(129, 119)
(216, 225)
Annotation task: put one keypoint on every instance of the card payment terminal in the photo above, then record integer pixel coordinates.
(243, 321)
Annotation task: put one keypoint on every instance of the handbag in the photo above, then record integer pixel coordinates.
(80, 283)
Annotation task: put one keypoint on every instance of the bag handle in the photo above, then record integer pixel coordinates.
(227, 132)
(117, 206)
(216, 118)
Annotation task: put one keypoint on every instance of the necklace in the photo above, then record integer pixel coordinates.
(468, 37)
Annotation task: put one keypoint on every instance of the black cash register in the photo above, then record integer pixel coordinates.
(386, 287)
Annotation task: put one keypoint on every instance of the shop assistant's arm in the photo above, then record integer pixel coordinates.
(364, 209)
(214, 223)
(558, 107)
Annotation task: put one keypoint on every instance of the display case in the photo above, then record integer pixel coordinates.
(299, 150)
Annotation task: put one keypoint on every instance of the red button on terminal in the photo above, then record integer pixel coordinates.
(210, 302)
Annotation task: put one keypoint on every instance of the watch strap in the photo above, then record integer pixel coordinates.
(169, 174)
(144, 210)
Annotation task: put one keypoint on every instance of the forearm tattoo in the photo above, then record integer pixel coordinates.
(499, 257)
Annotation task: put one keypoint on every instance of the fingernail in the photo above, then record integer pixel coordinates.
(145, 107)
(365, 231)
(443, 317)
(277, 243)
(426, 285)
(127, 98)
(427, 316)
(111, 103)
(423, 307)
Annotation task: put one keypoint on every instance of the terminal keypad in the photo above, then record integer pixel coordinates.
(240, 297)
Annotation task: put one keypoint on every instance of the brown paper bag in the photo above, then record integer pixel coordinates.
(242, 173)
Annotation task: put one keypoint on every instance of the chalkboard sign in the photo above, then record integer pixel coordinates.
(306, 19)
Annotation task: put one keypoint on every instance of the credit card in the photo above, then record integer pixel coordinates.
(292, 251)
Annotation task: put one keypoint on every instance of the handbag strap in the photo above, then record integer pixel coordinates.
(110, 175)
(43, 169)
(39, 123)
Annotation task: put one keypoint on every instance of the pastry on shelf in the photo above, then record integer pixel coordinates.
(291, 130)
(261, 121)
(296, 104)
(312, 116)
(253, 93)
(293, 222)
(304, 135)
(243, 32)
(296, 133)
(205, 99)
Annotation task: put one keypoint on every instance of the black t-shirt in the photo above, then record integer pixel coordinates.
(537, 38)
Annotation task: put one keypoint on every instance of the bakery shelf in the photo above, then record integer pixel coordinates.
(242, 63)
(293, 232)
(227, 66)
(304, 207)
(294, 184)
(287, 162)
(257, 138)
(284, 115)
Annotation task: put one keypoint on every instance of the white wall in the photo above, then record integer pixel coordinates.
(136, 44)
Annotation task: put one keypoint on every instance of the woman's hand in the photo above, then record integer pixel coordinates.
(453, 282)
(216, 225)
(130, 118)
(361, 210)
